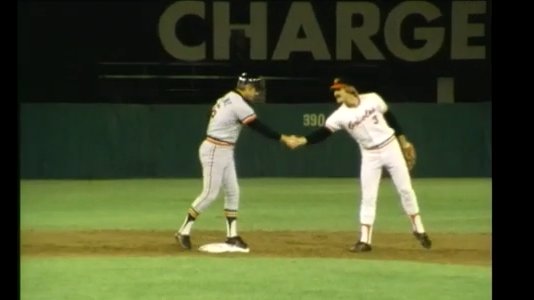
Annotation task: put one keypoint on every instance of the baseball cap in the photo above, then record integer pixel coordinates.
(340, 82)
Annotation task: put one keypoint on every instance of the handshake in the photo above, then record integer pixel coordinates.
(293, 141)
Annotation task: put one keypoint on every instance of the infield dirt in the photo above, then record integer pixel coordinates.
(464, 249)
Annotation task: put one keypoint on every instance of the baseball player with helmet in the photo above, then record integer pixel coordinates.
(216, 154)
(382, 144)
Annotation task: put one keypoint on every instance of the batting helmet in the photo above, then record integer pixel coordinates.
(248, 78)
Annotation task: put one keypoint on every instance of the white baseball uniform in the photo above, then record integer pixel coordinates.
(379, 149)
(216, 152)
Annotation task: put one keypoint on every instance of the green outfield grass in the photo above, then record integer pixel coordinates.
(448, 205)
(242, 278)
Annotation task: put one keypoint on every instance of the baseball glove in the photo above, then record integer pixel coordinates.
(408, 150)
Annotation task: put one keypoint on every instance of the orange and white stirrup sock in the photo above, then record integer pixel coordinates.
(417, 223)
(231, 222)
(366, 233)
(192, 215)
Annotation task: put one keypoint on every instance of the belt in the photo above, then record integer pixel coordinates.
(218, 142)
(383, 144)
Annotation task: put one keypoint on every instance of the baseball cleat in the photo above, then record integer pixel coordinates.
(236, 241)
(183, 240)
(423, 239)
(361, 247)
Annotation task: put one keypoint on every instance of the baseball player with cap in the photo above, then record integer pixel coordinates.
(216, 154)
(382, 144)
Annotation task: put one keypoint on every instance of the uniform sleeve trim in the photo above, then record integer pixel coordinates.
(248, 119)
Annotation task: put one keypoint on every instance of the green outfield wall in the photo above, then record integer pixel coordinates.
(133, 141)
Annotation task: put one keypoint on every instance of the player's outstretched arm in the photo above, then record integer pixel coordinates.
(264, 130)
(314, 137)
(318, 136)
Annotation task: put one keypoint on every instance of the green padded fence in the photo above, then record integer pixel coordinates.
(127, 141)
